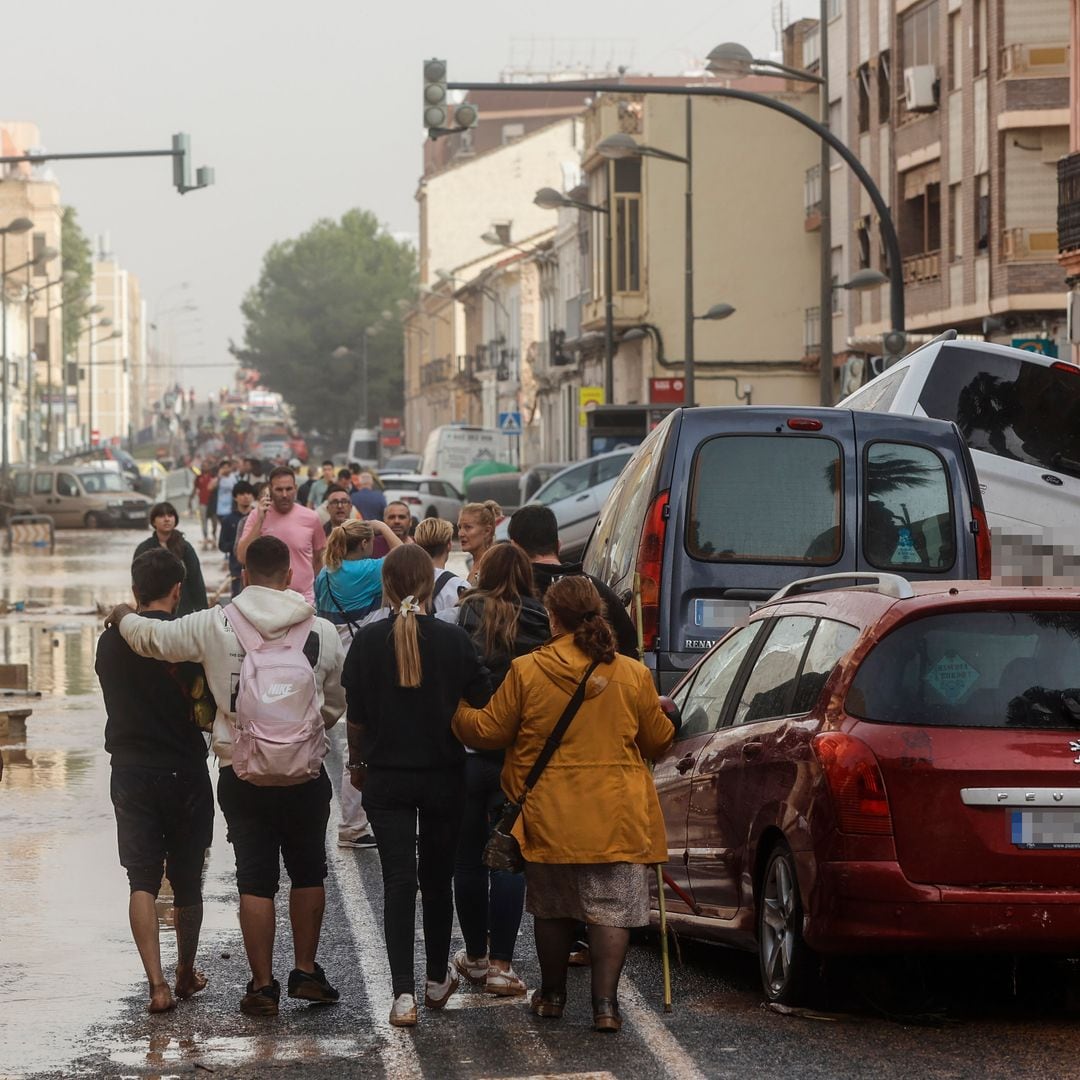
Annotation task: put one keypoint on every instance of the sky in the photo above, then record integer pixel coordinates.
(304, 110)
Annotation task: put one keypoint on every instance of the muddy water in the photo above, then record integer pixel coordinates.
(69, 964)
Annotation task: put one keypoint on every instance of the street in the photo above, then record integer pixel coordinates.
(72, 1002)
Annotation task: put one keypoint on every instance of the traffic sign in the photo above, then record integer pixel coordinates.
(510, 423)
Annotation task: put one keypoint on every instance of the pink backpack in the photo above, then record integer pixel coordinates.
(280, 736)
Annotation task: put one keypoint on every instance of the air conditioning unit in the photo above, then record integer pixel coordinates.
(920, 88)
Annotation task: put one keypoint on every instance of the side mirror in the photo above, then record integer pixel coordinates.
(671, 711)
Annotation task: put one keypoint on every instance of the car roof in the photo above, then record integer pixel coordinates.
(414, 477)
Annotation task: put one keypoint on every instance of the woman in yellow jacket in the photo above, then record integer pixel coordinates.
(592, 825)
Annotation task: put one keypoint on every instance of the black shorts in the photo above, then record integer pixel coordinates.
(271, 824)
(164, 822)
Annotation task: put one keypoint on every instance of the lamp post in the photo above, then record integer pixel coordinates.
(549, 199)
(90, 343)
(78, 298)
(342, 351)
(13, 228)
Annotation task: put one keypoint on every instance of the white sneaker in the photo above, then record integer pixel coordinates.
(504, 983)
(436, 995)
(403, 1011)
(474, 970)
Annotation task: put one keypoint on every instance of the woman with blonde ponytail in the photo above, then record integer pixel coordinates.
(403, 678)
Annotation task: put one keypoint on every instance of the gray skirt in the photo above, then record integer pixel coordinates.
(607, 894)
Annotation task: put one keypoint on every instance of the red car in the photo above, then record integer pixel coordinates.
(889, 767)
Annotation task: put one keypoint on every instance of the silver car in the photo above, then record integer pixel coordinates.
(425, 496)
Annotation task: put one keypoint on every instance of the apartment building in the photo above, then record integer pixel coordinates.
(1069, 190)
(960, 110)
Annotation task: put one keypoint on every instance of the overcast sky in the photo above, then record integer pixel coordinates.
(304, 110)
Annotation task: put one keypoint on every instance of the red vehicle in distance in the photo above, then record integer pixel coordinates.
(888, 767)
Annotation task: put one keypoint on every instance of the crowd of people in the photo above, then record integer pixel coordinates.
(343, 605)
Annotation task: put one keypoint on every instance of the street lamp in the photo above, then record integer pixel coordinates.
(91, 326)
(343, 351)
(547, 198)
(864, 279)
(495, 240)
(716, 312)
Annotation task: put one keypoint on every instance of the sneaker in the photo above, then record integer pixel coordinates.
(580, 955)
(436, 995)
(367, 840)
(475, 971)
(309, 987)
(504, 983)
(261, 1002)
(403, 1011)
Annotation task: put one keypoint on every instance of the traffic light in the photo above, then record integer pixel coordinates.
(181, 166)
(894, 345)
(436, 113)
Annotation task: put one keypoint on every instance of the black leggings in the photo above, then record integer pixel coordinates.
(397, 800)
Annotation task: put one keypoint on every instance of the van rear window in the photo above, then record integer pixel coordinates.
(759, 498)
(978, 669)
(1010, 407)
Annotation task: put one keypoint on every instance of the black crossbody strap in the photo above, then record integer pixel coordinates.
(558, 731)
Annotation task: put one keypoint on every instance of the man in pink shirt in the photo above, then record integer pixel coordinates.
(299, 528)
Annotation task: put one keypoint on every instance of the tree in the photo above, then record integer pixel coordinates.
(320, 292)
(75, 256)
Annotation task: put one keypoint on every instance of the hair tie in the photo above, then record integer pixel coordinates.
(409, 606)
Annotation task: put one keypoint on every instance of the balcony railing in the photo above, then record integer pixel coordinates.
(1069, 203)
(435, 371)
(923, 267)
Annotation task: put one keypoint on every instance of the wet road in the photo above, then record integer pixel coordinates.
(72, 993)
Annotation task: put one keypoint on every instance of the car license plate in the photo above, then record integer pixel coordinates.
(720, 614)
(1035, 829)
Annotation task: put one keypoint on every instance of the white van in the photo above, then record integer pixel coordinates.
(364, 447)
(452, 447)
(1019, 412)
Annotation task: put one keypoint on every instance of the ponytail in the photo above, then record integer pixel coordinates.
(344, 540)
(408, 579)
(576, 605)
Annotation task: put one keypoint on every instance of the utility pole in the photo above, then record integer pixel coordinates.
(826, 301)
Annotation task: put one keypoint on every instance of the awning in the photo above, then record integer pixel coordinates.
(917, 180)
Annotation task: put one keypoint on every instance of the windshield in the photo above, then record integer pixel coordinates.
(979, 669)
(395, 483)
(94, 482)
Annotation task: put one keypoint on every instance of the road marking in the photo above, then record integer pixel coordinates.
(677, 1063)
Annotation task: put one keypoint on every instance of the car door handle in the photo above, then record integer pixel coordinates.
(582, 498)
(752, 749)
(684, 764)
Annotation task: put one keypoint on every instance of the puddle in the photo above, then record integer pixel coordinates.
(166, 1051)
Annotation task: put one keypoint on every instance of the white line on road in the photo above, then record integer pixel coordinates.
(676, 1062)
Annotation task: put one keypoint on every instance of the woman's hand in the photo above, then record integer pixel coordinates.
(392, 539)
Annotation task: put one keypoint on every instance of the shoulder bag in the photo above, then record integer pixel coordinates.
(502, 851)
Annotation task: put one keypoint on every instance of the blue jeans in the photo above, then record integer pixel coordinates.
(489, 902)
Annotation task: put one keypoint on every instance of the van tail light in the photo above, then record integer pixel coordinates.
(1064, 365)
(650, 560)
(981, 528)
(855, 783)
(804, 423)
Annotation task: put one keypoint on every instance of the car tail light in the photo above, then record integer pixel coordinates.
(981, 528)
(1063, 365)
(650, 560)
(856, 784)
(804, 423)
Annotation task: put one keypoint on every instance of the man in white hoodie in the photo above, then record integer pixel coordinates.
(265, 823)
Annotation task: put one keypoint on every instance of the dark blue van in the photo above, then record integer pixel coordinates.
(721, 507)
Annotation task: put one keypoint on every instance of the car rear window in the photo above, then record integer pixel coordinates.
(1010, 407)
(760, 498)
(979, 669)
(907, 519)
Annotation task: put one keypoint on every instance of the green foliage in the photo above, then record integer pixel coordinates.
(75, 255)
(317, 293)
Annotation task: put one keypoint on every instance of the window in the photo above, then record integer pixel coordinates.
(628, 225)
(65, 485)
(812, 331)
(977, 669)
(980, 46)
(836, 261)
(919, 36)
(22, 483)
(862, 78)
(43, 482)
(862, 240)
(836, 125)
(609, 468)
(702, 703)
(572, 482)
(920, 221)
(830, 642)
(96, 482)
(956, 50)
(800, 522)
(907, 520)
(884, 87)
(1023, 411)
(41, 338)
(880, 394)
(956, 222)
(771, 685)
(982, 212)
(41, 269)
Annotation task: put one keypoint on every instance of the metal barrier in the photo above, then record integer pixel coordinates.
(35, 529)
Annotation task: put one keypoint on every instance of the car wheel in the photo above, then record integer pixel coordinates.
(431, 512)
(92, 521)
(790, 970)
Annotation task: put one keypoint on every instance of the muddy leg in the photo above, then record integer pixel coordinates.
(142, 915)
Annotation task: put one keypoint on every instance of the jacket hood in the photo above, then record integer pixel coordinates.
(546, 574)
(272, 611)
(565, 665)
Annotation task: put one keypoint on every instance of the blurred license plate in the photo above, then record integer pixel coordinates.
(1045, 828)
(720, 614)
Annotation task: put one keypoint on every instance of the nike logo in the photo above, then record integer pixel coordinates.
(278, 692)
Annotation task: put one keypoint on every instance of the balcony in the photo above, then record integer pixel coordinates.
(435, 371)
(1069, 203)
(923, 267)
(1020, 245)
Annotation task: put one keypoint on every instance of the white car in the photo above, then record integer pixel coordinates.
(1019, 412)
(425, 496)
(575, 496)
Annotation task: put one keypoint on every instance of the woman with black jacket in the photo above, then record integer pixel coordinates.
(404, 677)
(505, 621)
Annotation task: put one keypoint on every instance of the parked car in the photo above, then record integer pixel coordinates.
(400, 464)
(575, 495)
(137, 479)
(1019, 412)
(426, 496)
(867, 771)
(80, 496)
(720, 507)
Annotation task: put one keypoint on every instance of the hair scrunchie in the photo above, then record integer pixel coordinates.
(409, 606)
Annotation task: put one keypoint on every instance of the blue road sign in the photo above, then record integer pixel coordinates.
(510, 423)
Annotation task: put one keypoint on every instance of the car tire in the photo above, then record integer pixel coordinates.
(790, 969)
(93, 521)
(431, 512)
